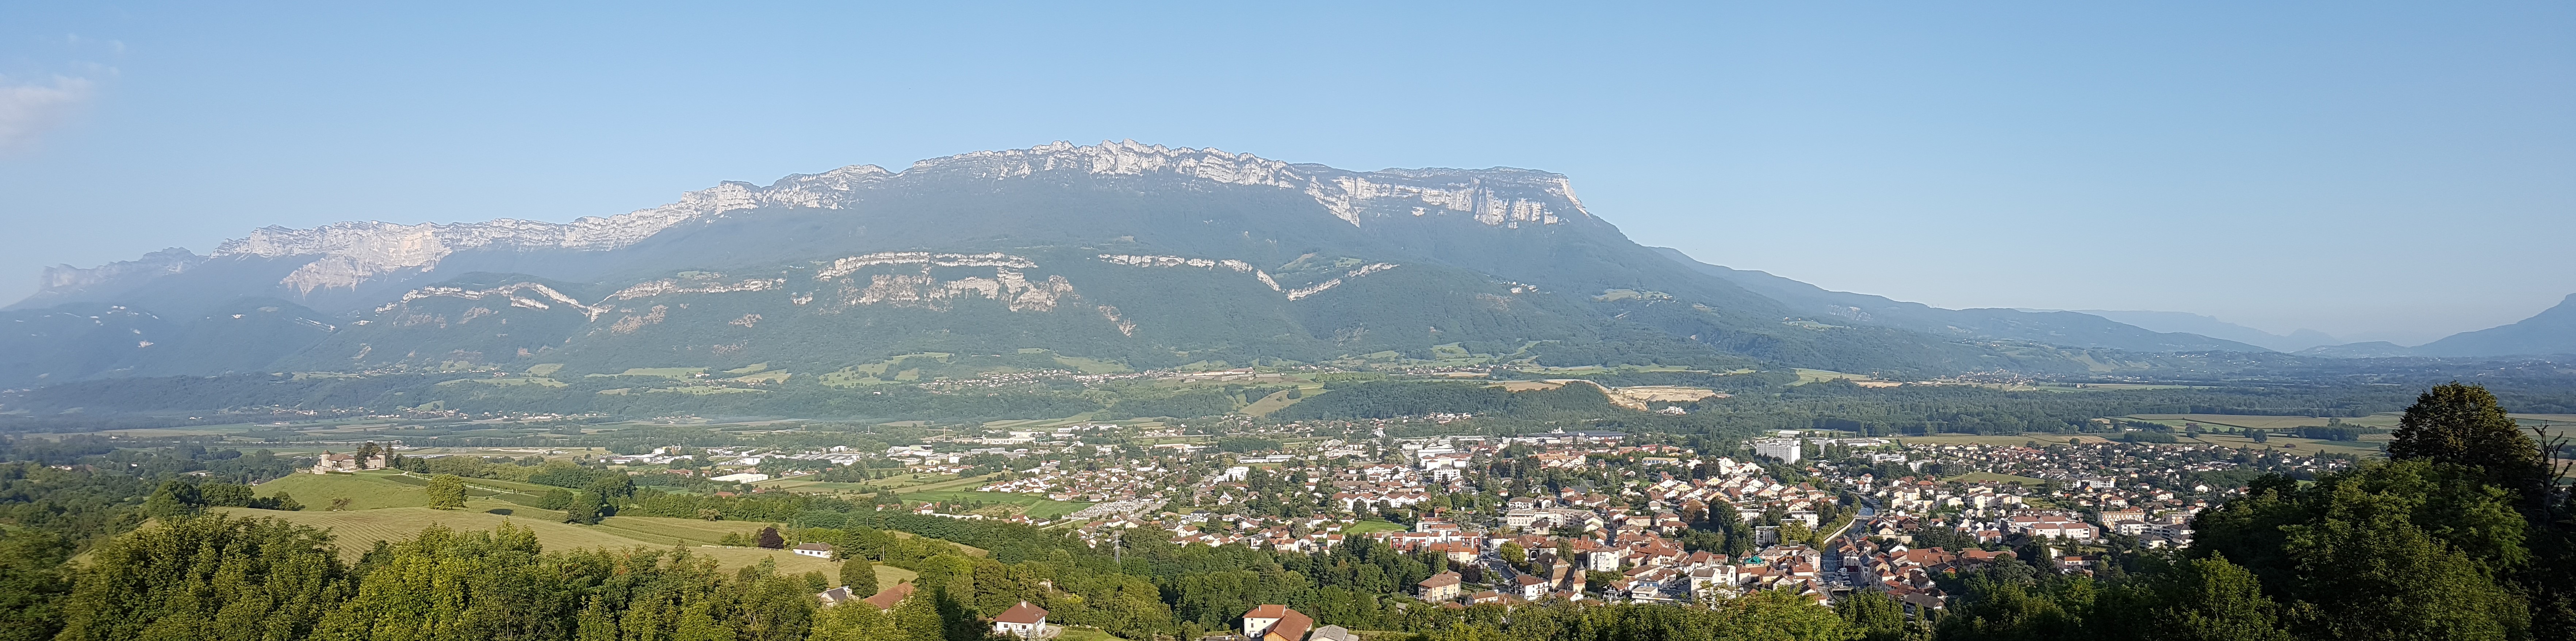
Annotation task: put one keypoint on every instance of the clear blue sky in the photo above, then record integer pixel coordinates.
(2396, 171)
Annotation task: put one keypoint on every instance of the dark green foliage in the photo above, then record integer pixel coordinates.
(446, 492)
(1872, 615)
(1182, 404)
(206, 577)
(1241, 444)
(2196, 600)
(2463, 424)
(32, 585)
(860, 575)
(587, 508)
(2402, 548)
(769, 538)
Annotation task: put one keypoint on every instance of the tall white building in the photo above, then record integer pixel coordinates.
(1788, 450)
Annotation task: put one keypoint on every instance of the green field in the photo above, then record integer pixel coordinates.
(1279, 400)
(381, 489)
(1036, 507)
(2262, 422)
(364, 491)
(1998, 439)
(1071, 633)
(1371, 525)
(2356, 448)
(356, 531)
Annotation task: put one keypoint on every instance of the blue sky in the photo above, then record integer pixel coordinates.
(2378, 171)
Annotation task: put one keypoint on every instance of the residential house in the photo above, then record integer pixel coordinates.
(887, 598)
(1024, 621)
(1440, 587)
(1276, 623)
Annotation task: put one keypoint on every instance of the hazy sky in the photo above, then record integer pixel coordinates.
(2375, 171)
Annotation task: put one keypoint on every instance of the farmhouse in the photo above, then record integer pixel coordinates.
(348, 463)
(1024, 621)
(816, 550)
(1276, 623)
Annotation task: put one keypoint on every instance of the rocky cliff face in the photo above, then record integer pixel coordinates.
(348, 255)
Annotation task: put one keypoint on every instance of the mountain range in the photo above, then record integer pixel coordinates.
(2552, 331)
(1139, 255)
(2212, 327)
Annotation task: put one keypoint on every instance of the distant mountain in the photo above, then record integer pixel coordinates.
(2372, 349)
(2552, 331)
(1140, 255)
(2212, 327)
(2057, 328)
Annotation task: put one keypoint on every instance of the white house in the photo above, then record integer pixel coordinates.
(1024, 621)
(816, 550)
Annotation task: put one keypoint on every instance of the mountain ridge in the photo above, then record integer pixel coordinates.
(2065, 328)
(1155, 256)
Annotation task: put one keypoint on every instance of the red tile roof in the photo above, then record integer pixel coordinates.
(888, 597)
(1022, 613)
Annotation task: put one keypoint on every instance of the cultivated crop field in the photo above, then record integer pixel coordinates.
(1036, 507)
(1997, 439)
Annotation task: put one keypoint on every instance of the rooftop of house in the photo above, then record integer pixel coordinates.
(1022, 614)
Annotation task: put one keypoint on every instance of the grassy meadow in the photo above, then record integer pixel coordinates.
(386, 506)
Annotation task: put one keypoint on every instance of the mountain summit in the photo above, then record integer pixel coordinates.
(1142, 255)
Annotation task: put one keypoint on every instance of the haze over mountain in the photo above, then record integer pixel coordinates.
(2052, 327)
(2212, 327)
(1137, 254)
(2552, 331)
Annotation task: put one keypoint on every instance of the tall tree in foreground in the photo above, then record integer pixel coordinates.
(2463, 425)
(860, 575)
(2405, 549)
(31, 584)
(206, 577)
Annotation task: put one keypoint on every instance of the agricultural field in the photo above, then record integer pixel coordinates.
(384, 489)
(1069, 633)
(2356, 448)
(2383, 421)
(1036, 507)
(1279, 400)
(1998, 439)
(1806, 376)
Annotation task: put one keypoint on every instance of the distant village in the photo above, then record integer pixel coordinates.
(1591, 515)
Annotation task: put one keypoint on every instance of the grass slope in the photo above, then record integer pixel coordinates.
(355, 531)
(1036, 507)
